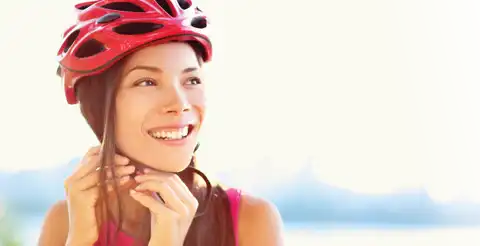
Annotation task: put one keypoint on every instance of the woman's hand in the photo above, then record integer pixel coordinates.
(82, 193)
(172, 217)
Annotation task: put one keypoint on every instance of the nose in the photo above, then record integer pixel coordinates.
(177, 101)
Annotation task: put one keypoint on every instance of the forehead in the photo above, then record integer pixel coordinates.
(169, 57)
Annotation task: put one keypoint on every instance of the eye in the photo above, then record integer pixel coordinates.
(194, 81)
(146, 82)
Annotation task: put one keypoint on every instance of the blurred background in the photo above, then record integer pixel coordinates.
(360, 120)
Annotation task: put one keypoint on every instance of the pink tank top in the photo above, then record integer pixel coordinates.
(234, 196)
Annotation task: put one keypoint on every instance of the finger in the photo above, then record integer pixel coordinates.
(90, 152)
(151, 203)
(83, 186)
(109, 184)
(184, 193)
(86, 166)
(95, 167)
(182, 184)
(112, 173)
(153, 175)
(171, 199)
(157, 177)
(118, 160)
(91, 162)
(175, 183)
(94, 179)
(121, 171)
(120, 182)
(117, 171)
(148, 201)
(93, 150)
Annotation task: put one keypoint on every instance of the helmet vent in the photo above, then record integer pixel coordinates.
(123, 6)
(108, 18)
(165, 6)
(137, 28)
(184, 4)
(199, 22)
(69, 42)
(90, 48)
(83, 6)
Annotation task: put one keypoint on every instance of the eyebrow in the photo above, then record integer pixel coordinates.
(157, 69)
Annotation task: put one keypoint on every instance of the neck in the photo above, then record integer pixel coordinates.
(135, 217)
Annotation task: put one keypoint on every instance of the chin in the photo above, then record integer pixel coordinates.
(172, 166)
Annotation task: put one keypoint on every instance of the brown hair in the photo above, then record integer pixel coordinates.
(97, 95)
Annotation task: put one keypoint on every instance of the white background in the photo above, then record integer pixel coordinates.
(379, 95)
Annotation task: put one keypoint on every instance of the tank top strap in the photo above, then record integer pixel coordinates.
(234, 196)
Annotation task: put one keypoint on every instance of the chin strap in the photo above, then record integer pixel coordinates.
(208, 195)
(196, 148)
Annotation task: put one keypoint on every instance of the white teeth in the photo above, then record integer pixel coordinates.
(171, 135)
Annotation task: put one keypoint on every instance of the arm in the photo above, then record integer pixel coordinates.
(260, 223)
(55, 227)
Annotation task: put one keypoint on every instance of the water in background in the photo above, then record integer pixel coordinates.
(405, 218)
(341, 235)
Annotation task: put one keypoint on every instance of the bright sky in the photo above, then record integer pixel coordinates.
(379, 95)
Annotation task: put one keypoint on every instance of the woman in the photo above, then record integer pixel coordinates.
(135, 67)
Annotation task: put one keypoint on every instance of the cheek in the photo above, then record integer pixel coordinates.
(198, 102)
(130, 113)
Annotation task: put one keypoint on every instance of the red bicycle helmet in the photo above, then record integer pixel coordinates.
(107, 30)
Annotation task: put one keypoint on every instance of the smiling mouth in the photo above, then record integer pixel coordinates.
(172, 133)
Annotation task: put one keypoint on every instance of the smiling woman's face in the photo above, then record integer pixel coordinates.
(160, 106)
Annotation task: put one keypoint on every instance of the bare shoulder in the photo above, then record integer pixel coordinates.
(55, 227)
(260, 222)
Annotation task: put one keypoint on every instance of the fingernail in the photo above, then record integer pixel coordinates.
(124, 179)
(147, 170)
(131, 169)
